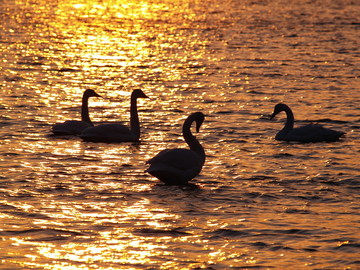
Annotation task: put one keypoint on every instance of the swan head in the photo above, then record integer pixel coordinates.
(199, 118)
(279, 108)
(138, 93)
(91, 93)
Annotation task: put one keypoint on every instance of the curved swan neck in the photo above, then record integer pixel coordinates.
(191, 140)
(134, 117)
(289, 124)
(85, 110)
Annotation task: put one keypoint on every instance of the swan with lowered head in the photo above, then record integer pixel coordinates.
(117, 132)
(308, 133)
(178, 166)
(74, 127)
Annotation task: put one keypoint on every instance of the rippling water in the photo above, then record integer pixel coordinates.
(258, 203)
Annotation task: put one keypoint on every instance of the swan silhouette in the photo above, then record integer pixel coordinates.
(74, 127)
(308, 133)
(117, 132)
(178, 166)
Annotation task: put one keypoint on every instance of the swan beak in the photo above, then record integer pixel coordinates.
(144, 95)
(272, 116)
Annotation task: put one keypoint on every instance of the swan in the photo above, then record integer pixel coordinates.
(74, 127)
(178, 166)
(117, 132)
(308, 133)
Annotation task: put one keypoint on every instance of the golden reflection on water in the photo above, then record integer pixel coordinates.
(121, 32)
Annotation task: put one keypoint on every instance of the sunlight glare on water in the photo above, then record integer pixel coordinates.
(258, 203)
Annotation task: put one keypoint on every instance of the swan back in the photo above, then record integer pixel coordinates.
(108, 133)
(70, 127)
(178, 166)
(311, 133)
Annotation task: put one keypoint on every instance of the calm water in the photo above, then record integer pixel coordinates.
(258, 203)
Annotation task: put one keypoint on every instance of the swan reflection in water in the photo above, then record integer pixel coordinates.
(117, 132)
(74, 127)
(178, 166)
(308, 133)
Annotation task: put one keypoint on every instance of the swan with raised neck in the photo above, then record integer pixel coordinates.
(308, 133)
(178, 166)
(74, 127)
(116, 132)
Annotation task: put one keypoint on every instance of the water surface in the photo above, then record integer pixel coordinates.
(258, 203)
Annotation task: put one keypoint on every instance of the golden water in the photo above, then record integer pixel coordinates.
(258, 203)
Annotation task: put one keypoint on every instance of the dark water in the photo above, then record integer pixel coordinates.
(257, 204)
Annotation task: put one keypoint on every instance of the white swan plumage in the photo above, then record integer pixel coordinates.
(178, 166)
(74, 127)
(117, 132)
(308, 133)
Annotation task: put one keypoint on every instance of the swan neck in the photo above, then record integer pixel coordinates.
(191, 140)
(134, 117)
(85, 110)
(289, 124)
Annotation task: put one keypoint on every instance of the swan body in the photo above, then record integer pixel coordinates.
(74, 127)
(117, 132)
(308, 133)
(178, 166)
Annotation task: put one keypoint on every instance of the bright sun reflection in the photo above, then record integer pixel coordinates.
(121, 33)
